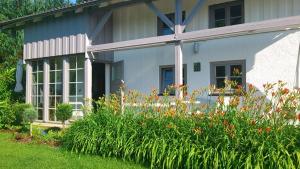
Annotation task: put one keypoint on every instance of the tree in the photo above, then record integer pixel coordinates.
(29, 116)
(64, 112)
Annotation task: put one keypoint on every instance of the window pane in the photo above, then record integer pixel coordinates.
(40, 65)
(235, 21)
(72, 62)
(40, 102)
(40, 77)
(220, 71)
(59, 63)
(220, 14)
(236, 11)
(34, 101)
(58, 100)
(80, 89)
(59, 89)
(80, 75)
(73, 89)
(220, 82)
(80, 62)
(72, 75)
(52, 103)
(34, 90)
(52, 64)
(236, 70)
(34, 66)
(167, 78)
(52, 89)
(52, 77)
(40, 114)
(220, 23)
(52, 115)
(34, 78)
(238, 81)
(58, 76)
(40, 90)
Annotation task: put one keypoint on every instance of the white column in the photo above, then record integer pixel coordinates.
(28, 82)
(178, 68)
(88, 80)
(107, 79)
(46, 91)
(66, 79)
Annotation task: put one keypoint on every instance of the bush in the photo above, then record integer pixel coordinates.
(64, 112)
(30, 114)
(249, 132)
(7, 115)
(19, 109)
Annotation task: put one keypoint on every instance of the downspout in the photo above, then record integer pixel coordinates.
(297, 83)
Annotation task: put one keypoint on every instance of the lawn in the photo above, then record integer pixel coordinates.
(19, 155)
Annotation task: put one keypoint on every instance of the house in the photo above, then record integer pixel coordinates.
(83, 51)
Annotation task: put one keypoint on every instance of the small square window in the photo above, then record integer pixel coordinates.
(197, 67)
(225, 14)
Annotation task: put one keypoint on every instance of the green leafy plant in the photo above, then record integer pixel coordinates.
(30, 114)
(248, 131)
(64, 112)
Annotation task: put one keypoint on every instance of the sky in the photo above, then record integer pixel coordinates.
(73, 1)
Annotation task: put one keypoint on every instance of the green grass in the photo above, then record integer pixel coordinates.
(19, 155)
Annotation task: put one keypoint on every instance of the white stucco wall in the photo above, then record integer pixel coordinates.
(269, 56)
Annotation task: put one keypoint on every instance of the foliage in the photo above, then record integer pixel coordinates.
(30, 114)
(64, 112)
(18, 109)
(249, 130)
(7, 116)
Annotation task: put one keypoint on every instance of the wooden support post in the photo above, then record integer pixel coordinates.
(178, 69)
(65, 79)
(178, 50)
(46, 91)
(88, 80)
(28, 82)
(107, 79)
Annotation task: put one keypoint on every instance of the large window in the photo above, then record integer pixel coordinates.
(55, 86)
(164, 29)
(228, 70)
(167, 78)
(76, 86)
(38, 87)
(225, 14)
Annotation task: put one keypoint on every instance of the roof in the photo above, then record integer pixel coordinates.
(77, 8)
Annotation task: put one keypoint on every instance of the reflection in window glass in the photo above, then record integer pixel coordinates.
(55, 86)
(76, 84)
(38, 87)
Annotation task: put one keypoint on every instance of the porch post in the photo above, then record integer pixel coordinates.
(46, 91)
(107, 79)
(65, 79)
(88, 80)
(28, 82)
(178, 49)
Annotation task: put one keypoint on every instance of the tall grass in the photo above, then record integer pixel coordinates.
(251, 131)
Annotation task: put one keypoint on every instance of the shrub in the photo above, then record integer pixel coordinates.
(19, 109)
(64, 112)
(247, 132)
(30, 114)
(7, 115)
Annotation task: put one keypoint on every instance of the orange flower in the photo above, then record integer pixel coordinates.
(225, 123)
(285, 91)
(260, 130)
(253, 122)
(298, 116)
(268, 129)
(250, 86)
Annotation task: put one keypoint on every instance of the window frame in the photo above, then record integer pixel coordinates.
(227, 6)
(161, 68)
(56, 71)
(76, 107)
(227, 64)
(39, 98)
